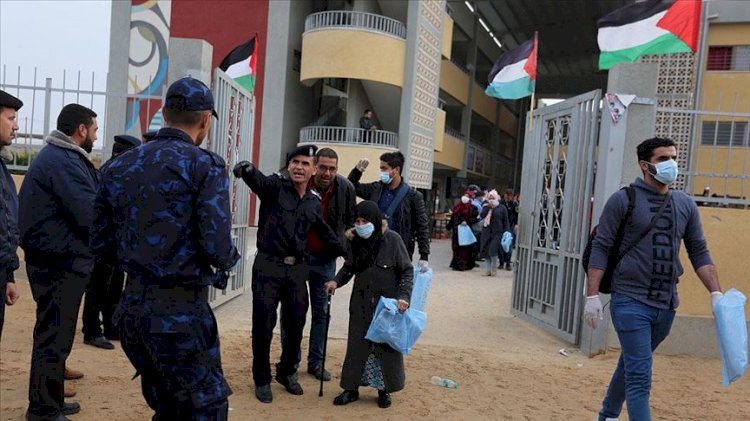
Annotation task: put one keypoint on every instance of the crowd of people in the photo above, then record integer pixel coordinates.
(157, 214)
(489, 217)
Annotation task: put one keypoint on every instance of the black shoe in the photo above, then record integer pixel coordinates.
(346, 397)
(112, 336)
(290, 384)
(70, 408)
(508, 267)
(384, 399)
(263, 393)
(318, 372)
(99, 342)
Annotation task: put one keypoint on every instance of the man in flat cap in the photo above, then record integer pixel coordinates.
(105, 286)
(163, 217)
(9, 106)
(289, 209)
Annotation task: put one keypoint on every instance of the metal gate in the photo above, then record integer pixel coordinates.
(231, 138)
(556, 190)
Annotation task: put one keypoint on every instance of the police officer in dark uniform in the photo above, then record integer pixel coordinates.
(288, 210)
(163, 211)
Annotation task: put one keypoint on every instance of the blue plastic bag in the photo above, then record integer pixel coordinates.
(421, 289)
(398, 330)
(731, 331)
(465, 236)
(506, 241)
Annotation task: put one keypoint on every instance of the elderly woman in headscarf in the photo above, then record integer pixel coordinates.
(381, 267)
(494, 218)
(464, 213)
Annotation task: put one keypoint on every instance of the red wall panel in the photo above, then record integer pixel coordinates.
(226, 24)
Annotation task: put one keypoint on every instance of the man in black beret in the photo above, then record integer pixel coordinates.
(9, 106)
(105, 286)
(289, 209)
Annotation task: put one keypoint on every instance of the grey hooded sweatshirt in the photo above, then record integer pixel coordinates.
(650, 271)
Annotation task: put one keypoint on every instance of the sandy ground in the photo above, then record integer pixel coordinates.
(506, 369)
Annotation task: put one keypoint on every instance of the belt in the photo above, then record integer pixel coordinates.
(180, 293)
(287, 260)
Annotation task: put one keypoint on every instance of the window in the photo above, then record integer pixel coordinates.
(729, 58)
(736, 130)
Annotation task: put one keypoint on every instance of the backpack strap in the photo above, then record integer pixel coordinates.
(650, 226)
(624, 221)
(400, 195)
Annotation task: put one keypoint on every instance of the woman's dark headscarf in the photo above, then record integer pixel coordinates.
(365, 251)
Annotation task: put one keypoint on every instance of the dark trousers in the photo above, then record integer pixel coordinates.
(171, 338)
(95, 300)
(58, 296)
(114, 292)
(320, 272)
(275, 282)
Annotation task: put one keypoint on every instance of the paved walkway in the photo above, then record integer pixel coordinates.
(463, 308)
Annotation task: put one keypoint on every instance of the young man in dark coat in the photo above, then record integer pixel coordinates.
(56, 204)
(409, 218)
(381, 267)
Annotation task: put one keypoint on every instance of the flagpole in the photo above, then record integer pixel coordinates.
(533, 93)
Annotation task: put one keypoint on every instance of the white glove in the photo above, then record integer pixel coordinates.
(593, 311)
(362, 164)
(715, 297)
(423, 267)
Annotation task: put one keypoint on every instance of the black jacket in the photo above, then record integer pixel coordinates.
(414, 224)
(56, 207)
(9, 225)
(341, 207)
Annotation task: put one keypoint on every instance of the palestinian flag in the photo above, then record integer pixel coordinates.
(514, 74)
(241, 64)
(649, 27)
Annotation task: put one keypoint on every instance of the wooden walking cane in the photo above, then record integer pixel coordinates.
(325, 346)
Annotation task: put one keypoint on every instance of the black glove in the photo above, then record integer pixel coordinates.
(220, 278)
(241, 167)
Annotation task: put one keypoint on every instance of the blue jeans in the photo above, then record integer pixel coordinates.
(640, 328)
(321, 271)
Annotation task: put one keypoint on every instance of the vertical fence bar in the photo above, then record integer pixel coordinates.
(47, 103)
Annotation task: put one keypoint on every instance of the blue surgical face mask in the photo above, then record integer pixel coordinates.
(385, 177)
(465, 199)
(666, 172)
(365, 230)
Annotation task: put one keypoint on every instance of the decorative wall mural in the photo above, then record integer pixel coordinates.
(147, 61)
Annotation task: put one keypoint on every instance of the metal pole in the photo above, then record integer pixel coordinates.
(47, 103)
(702, 53)
(325, 346)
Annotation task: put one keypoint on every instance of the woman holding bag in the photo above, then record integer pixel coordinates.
(381, 266)
(494, 218)
(463, 216)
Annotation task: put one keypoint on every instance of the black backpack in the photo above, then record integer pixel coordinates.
(605, 286)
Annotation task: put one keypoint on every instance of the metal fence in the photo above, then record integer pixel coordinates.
(360, 20)
(232, 138)
(327, 134)
(718, 171)
(453, 132)
(43, 99)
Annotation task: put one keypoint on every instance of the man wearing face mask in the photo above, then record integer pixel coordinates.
(644, 284)
(402, 206)
(55, 216)
(163, 217)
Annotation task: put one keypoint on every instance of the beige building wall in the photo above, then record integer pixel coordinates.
(439, 129)
(447, 36)
(728, 235)
(728, 92)
(352, 54)
(452, 154)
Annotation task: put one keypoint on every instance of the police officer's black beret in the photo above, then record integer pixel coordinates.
(124, 143)
(8, 100)
(304, 150)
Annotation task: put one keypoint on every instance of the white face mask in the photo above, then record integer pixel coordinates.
(666, 172)
(494, 203)
(465, 199)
